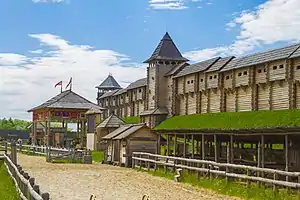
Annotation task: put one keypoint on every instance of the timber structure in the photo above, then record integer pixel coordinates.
(268, 80)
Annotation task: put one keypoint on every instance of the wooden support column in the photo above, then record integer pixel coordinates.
(34, 134)
(286, 148)
(77, 128)
(168, 145)
(158, 144)
(193, 146)
(231, 153)
(262, 153)
(184, 146)
(203, 147)
(217, 148)
(175, 144)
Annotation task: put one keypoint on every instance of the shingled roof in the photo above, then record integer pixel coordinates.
(176, 69)
(109, 83)
(139, 83)
(262, 57)
(220, 64)
(166, 50)
(108, 94)
(67, 99)
(197, 67)
(111, 122)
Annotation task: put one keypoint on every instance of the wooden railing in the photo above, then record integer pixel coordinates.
(211, 168)
(25, 184)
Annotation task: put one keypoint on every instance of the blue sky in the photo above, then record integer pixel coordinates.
(45, 41)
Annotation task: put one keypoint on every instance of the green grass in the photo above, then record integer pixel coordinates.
(231, 188)
(233, 120)
(131, 120)
(97, 156)
(65, 161)
(7, 187)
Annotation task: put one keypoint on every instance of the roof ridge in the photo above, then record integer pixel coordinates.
(294, 51)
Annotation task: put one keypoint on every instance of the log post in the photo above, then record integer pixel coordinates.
(286, 147)
(175, 145)
(231, 154)
(262, 153)
(168, 145)
(13, 155)
(258, 159)
(216, 146)
(184, 146)
(193, 146)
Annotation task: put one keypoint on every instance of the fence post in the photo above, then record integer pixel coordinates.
(140, 161)
(5, 148)
(20, 147)
(133, 161)
(274, 185)
(248, 182)
(13, 154)
(148, 163)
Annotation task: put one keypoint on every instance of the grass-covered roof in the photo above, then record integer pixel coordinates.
(233, 120)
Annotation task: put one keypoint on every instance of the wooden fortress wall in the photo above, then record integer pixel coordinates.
(269, 86)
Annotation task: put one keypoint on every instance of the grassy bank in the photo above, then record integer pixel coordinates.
(98, 156)
(231, 188)
(7, 187)
(131, 120)
(233, 120)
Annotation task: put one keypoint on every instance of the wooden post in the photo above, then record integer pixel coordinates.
(175, 144)
(216, 146)
(34, 132)
(262, 153)
(231, 153)
(258, 159)
(184, 146)
(13, 155)
(193, 146)
(168, 145)
(203, 147)
(286, 147)
(158, 144)
(197, 146)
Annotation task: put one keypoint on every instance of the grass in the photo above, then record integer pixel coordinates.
(97, 156)
(231, 188)
(7, 187)
(131, 120)
(65, 161)
(233, 120)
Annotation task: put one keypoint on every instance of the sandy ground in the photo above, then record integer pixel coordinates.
(78, 182)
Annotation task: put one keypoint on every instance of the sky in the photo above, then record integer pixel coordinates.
(43, 42)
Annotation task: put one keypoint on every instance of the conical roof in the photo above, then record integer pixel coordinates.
(109, 83)
(166, 50)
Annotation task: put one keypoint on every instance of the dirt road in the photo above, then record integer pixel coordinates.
(78, 182)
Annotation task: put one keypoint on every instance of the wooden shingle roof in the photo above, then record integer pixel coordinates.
(166, 50)
(197, 67)
(220, 64)
(111, 122)
(67, 99)
(117, 131)
(176, 69)
(108, 94)
(109, 83)
(262, 57)
(139, 83)
(129, 131)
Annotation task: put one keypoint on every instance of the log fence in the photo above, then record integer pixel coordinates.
(25, 184)
(215, 169)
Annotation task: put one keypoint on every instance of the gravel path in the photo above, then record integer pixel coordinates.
(78, 182)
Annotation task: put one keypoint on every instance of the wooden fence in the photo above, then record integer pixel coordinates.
(51, 153)
(213, 169)
(25, 184)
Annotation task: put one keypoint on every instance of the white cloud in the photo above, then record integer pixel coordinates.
(271, 22)
(22, 88)
(171, 4)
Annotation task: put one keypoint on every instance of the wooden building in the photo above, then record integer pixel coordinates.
(262, 81)
(66, 107)
(127, 139)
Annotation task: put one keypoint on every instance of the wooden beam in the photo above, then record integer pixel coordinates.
(168, 145)
(216, 146)
(193, 145)
(203, 147)
(231, 154)
(175, 144)
(286, 148)
(184, 146)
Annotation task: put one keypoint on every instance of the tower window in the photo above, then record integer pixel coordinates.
(259, 70)
(140, 90)
(201, 80)
(227, 77)
(153, 97)
(245, 72)
(280, 66)
(192, 81)
(240, 74)
(152, 78)
(265, 69)
(274, 67)
(298, 67)
(188, 82)
(215, 76)
(210, 77)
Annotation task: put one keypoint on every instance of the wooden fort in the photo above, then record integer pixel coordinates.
(265, 81)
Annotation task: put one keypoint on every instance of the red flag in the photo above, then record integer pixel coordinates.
(59, 83)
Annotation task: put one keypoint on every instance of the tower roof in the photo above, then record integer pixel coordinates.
(109, 83)
(166, 50)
